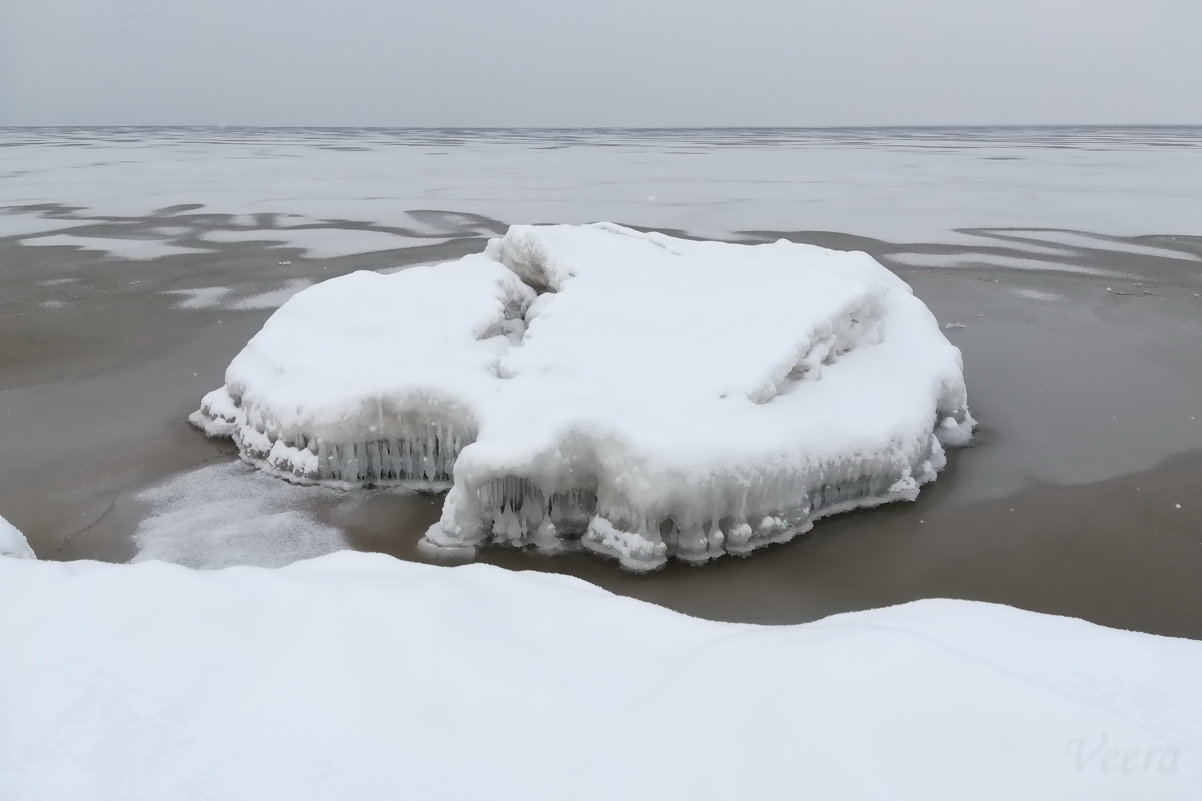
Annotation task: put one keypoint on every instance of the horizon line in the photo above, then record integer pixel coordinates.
(864, 126)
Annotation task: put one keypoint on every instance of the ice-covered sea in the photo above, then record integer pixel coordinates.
(917, 185)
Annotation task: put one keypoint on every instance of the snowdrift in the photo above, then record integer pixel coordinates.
(356, 676)
(639, 395)
(13, 542)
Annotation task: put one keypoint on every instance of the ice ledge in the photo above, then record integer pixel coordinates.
(513, 511)
(660, 399)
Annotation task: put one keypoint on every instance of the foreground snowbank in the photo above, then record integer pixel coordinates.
(357, 676)
(642, 395)
(13, 542)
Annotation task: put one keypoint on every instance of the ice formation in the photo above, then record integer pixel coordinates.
(13, 542)
(637, 394)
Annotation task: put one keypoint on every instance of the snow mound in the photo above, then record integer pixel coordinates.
(13, 542)
(371, 378)
(639, 395)
(352, 675)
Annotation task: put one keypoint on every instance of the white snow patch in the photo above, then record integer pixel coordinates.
(206, 297)
(324, 243)
(1079, 239)
(1036, 294)
(984, 260)
(170, 232)
(26, 224)
(231, 514)
(661, 397)
(1001, 240)
(52, 304)
(273, 298)
(362, 674)
(399, 268)
(220, 297)
(13, 544)
(132, 249)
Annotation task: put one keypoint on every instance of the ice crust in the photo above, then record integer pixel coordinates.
(13, 542)
(636, 394)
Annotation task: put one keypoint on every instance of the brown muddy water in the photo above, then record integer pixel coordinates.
(1083, 495)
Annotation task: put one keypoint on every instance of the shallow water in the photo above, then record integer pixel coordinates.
(1069, 259)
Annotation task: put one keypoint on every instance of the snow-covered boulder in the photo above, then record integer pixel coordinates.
(13, 542)
(642, 395)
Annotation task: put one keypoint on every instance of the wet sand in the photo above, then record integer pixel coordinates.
(1081, 497)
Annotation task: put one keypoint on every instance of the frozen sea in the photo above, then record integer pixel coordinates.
(1065, 262)
(893, 184)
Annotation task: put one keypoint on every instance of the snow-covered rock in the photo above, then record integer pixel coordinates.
(13, 542)
(356, 676)
(642, 395)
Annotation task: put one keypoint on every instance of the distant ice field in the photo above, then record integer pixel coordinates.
(897, 185)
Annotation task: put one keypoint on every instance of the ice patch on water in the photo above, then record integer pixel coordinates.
(1036, 294)
(399, 268)
(26, 224)
(271, 299)
(987, 261)
(132, 249)
(207, 297)
(231, 514)
(1080, 239)
(226, 298)
(170, 232)
(324, 243)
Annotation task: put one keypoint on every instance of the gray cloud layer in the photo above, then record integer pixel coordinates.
(621, 62)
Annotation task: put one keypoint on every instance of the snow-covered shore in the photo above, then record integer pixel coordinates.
(13, 542)
(358, 676)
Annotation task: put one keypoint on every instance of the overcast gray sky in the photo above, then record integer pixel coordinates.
(608, 62)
